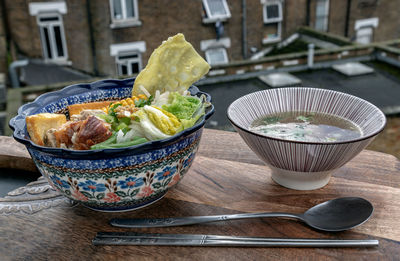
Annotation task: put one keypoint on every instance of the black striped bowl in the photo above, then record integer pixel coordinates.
(297, 164)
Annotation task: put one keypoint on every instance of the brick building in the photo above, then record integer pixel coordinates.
(3, 41)
(116, 37)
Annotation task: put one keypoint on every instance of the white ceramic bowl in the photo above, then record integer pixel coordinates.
(297, 164)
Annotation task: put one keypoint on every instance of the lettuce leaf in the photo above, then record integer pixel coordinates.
(189, 123)
(183, 107)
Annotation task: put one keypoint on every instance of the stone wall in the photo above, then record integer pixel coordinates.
(3, 43)
(159, 20)
(77, 35)
(388, 13)
(163, 18)
(22, 28)
(25, 31)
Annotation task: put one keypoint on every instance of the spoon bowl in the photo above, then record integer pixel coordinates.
(339, 214)
(333, 215)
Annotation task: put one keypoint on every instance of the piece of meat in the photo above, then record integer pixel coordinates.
(49, 138)
(85, 114)
(91, 131)
(64, 134)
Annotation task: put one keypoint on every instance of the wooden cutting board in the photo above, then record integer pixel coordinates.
(226, 177)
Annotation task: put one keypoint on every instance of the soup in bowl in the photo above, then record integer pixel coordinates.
(305, 134)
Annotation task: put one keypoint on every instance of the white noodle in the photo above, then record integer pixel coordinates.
(145, 92)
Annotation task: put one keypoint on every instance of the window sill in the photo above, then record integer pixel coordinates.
(271, 40)
(216, 72)
(214, 20)
(125, 23)
(58, 62)
(272, 21)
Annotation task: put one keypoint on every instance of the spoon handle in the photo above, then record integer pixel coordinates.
(181, 221)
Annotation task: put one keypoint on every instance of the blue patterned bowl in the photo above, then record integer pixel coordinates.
(305, 165)
(110, 179)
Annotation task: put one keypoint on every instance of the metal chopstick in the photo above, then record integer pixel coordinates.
(131, 238)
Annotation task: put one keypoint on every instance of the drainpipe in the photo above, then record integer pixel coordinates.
(346, 28)
(308, 13)
(244, 30)
(12, 70)
(310, 56)
(91, 35)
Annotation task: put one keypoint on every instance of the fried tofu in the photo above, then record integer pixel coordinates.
(77, 108)
(38, 124)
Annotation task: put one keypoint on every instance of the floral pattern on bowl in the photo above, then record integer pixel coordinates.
(124, 187)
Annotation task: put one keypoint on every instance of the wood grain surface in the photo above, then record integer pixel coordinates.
(226, 177)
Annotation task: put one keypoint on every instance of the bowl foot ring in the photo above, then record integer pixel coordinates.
(301, 180)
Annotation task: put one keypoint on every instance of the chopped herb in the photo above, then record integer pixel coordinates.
(273, 119)
(108, 118)
(143, 102)
(112, 109)
(303, 118)
(125, 120)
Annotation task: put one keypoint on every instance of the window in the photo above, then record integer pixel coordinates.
(215, 50)
(272, 12)
(321, 15)
(128, 57)
(129, 63)
(365, 29)
(364, 35)
(216, 10)
(124, 13)
(272, 33)
(215, 56)
(52, 37)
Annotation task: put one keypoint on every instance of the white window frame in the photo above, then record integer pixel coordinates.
(128, 62)
(365, 24)
(53, 45)
(278, 38)
(213, 18)
(325, 18)
(269, 21)
(361, 33)
(208, 54)
(124, 49)
(265, 15)
(47, 7)
(125, 21)
(373, 22)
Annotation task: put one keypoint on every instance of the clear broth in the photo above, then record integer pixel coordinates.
(304, 126)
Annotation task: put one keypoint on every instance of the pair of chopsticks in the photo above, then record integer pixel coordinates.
(142, 239)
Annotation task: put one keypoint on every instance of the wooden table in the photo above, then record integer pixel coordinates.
(36, 223)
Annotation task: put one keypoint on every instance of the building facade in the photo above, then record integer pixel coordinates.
(3, 42)
(116, 37)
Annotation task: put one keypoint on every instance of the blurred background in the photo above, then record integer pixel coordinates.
(351, 46)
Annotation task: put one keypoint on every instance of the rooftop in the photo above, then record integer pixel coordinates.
(38, 72)
(380, 87)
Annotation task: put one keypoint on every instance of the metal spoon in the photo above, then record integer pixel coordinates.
(333, 215)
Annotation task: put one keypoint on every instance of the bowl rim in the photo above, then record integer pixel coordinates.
(307, 142)
(18, 123)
